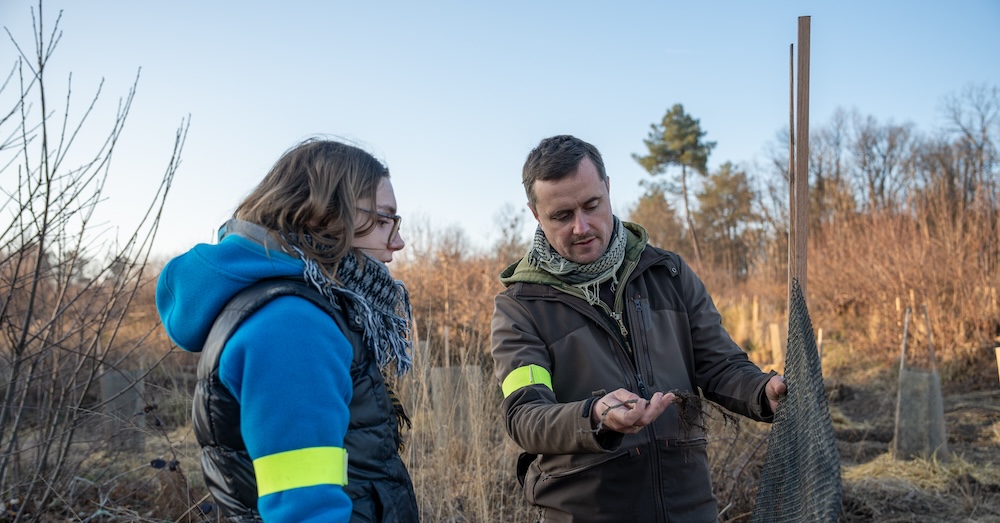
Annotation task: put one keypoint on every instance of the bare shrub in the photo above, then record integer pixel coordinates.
(452, 290)
(66, 295)
(736, 456)
(906, 266)
(458, 453)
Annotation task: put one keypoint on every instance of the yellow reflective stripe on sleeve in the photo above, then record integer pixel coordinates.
(524, 376)
(300, 468)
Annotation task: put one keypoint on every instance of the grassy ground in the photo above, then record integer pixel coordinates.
(877, 487)
(462, 463)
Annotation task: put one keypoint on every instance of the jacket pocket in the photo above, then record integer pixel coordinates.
(685, 480)
(564, 472)
(604, 488)
(688, 442)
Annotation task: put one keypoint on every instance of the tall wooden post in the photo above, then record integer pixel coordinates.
(791, 152)
(798, 179)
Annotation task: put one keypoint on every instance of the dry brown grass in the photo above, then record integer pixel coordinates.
(886, 489)
(460, 459)
(868, 270)
(920, 473)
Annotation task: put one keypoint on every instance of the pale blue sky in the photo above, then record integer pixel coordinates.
(453, 95)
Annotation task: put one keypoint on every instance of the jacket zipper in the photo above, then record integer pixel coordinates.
(619, 305)
(655, 449)
(630, 352)
(630, 359)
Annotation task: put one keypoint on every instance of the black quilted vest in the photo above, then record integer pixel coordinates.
(378, 484)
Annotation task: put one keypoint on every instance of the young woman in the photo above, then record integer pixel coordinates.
(300, 324)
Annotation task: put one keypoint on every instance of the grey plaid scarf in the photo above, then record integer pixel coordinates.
(370, 293)
(585, 277)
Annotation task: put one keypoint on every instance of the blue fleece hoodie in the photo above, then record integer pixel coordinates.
(288, 364)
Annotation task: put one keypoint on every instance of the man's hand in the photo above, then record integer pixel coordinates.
(627, 412)
(774, 389)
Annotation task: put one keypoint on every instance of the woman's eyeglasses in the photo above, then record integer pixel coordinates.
(396, 219)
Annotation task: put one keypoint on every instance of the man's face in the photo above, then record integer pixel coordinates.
(575, 213)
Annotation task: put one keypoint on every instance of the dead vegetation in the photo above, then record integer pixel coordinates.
(878, 487)
(896, 224)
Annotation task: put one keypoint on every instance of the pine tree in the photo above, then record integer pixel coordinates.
(678, 141)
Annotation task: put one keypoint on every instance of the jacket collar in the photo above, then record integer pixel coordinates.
(253, 232)
(523, 271)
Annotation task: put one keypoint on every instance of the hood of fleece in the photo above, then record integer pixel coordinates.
(196, 285)
(523, 271)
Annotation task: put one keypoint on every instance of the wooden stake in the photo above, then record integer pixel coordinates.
(799, 225)
(997, 351)
(791, 143)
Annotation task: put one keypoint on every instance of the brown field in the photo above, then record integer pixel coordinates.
(462, 462)
(877, 487)
(898, 220)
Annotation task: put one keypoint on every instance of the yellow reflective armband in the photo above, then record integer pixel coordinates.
(524, 376)
(300, 468)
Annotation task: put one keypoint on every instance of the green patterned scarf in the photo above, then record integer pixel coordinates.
(585, 277)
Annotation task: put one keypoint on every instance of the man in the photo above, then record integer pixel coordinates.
(591, 309)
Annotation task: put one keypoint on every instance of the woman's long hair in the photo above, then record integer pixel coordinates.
(312, 192)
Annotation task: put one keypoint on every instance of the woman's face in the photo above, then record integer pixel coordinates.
(385, 238)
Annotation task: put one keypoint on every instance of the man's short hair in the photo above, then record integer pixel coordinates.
(556, 157)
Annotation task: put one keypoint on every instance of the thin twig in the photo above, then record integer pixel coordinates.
(604, 415)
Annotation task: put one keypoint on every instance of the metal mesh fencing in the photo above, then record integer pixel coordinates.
(800, 480)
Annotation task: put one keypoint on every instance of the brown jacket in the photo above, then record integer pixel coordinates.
(669, 322)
